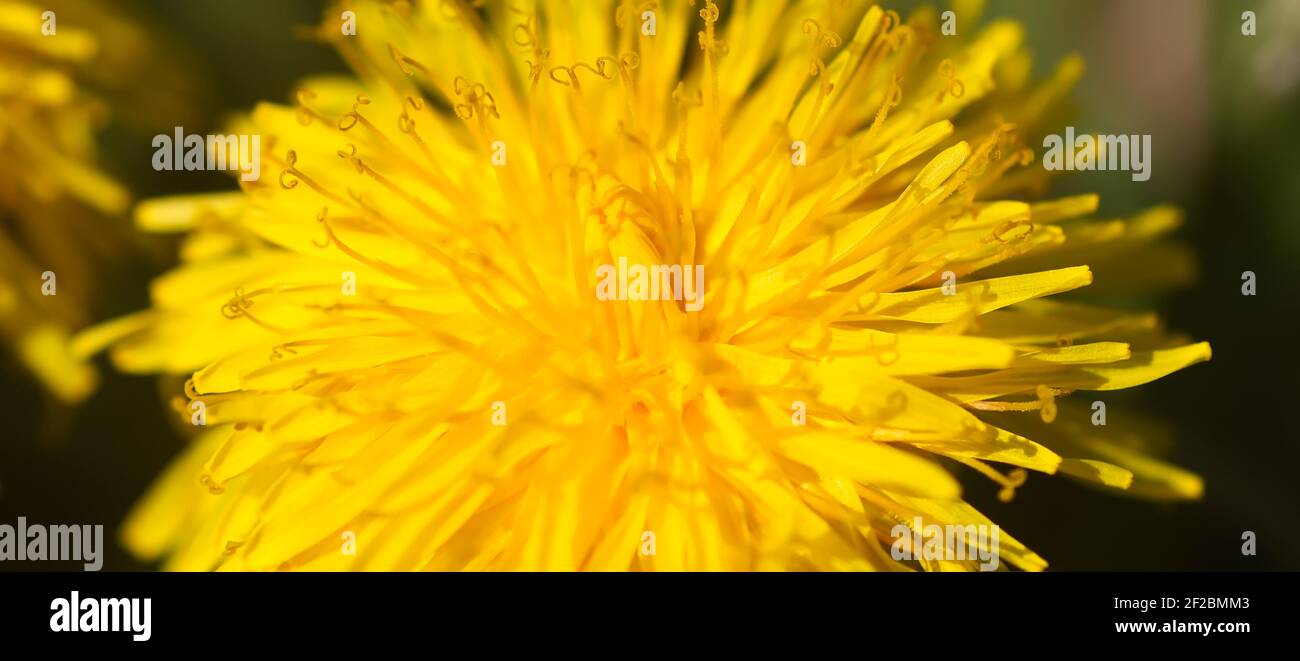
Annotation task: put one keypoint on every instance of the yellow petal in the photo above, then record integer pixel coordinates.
(870, 462)
(932, 306)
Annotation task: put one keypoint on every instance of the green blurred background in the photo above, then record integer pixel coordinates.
(1224, 113)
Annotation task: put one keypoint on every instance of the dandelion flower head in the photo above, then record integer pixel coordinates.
(395, 335)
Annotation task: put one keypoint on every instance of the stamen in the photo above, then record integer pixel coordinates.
(406, 63)
(822, 39)
(535, 68)
(709, 43)
(290, 171)
(278, 351)
(329, 236)
(876, 351)
(351, 118)
(1009, 482)
(524, 34)
(439, 178)
(897, 38)
(892, 98)
(952, 85)
(215, 488)
(1016, 478)
(476, 100)
(238, 306)
(417, 203)
(1047, 399)
(890, 20)
(601, 69)
(625, 64)
(235, 307)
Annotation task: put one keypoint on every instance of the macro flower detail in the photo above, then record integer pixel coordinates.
(53, 197)
(395, 335)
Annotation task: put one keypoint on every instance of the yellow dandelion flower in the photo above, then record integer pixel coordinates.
(52, 198)
(423, 340)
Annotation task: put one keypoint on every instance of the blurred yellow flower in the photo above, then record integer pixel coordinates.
(53, 199)
(402, 362)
